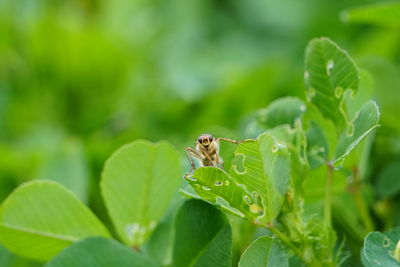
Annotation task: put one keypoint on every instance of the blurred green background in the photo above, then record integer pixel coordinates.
(79, 78)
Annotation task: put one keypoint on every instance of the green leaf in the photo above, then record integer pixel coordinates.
(363, 123)
(257, 182)
(213, 185)
(203, 236)
(388, 181)
(41, 218)
(329, 72)
(265, 251)
(379, 249)
(8, 259)
(265, 172)
(382, 14)
(138, 183)
(284, 110)
(317, 146)
(159, 247)
(99, 252)
(281, 111)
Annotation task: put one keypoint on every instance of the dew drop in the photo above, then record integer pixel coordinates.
(218, 183)
(227, 182)
(205, 188)
(329, 66)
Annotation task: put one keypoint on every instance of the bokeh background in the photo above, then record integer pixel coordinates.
(79, 78)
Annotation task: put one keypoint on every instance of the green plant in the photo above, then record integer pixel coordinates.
(293, 149)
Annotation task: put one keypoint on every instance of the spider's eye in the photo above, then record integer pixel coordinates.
(211, 139)
(200, 140)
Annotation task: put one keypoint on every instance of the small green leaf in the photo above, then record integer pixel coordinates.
(364, 122)
(317, 146)
(265, 251)
(281, 111)
(138, 183)
(388, 181)
(99, 252)
(329, 72)
(41, 218)
(380, 250)
(203, 236)
(382, 14)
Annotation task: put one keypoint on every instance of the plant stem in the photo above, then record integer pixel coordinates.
(361, 206)
(286, 240)
(328, 195)
(282, 237)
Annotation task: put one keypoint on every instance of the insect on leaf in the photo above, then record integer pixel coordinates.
(256, 184)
